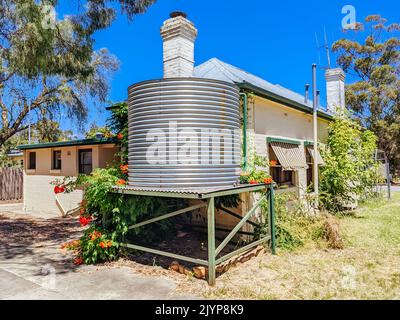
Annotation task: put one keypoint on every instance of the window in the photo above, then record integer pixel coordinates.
(85, 161)
(32, 160)
(281, 177)
(57, 160)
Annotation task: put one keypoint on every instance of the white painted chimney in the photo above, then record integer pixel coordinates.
(179, 35)
(335, 91)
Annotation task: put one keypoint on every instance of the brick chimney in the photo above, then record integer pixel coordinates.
(179, 35)
(335, 90)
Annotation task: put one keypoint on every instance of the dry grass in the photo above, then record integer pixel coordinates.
(367, 268)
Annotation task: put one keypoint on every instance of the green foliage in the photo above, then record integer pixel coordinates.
(111, 214)
(375, 96)
(50, 65)
(98, 245)
(118, 123)
(97, 190)
(294, 228)
(350, 170)
(94, 130)
(256, 172)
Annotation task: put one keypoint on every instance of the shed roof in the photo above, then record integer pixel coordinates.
(217, 69)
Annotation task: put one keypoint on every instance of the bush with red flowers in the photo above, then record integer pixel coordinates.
(256, 175)
(98, 245)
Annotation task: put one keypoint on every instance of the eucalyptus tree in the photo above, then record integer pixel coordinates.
(374, 96)
(49, 65)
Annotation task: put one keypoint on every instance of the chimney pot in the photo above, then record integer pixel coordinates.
(178, 14)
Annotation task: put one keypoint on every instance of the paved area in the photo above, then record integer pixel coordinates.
(32, 265)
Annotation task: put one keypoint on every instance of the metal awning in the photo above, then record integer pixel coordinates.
(291, 156)
(310, 149)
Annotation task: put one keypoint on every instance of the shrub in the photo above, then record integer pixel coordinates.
(294, 228)
(98, 245)
(350, 170)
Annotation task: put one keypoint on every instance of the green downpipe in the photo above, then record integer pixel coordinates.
(245, 102)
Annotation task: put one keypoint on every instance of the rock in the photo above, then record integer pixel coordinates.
(181, 269)
(200, 272)
(220, 268)
(174, 266)
(187, 272)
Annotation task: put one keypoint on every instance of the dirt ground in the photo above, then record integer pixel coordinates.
(367, 268)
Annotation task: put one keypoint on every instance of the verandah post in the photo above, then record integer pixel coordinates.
(211, 241)
(271, 221)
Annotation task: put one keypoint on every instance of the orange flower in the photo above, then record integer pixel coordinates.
(120, 136)
(273, 163)
(252, 181)
(124, 168)
(78, 260)
(268, 180)
(109, 244)
(121, 182)
(102, 245)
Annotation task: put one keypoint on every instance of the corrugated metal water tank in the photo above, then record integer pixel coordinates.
(184, 133)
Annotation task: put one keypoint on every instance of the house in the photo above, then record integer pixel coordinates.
(279, 121)
(45, 162)
(277, 124)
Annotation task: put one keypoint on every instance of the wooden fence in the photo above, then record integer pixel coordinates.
(11, 184)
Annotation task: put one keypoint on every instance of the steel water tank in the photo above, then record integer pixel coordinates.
(183, 133)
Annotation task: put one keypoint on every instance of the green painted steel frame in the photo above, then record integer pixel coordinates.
(213, 252)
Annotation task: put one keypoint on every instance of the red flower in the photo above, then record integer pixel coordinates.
(124, 168)
(58, 189)
(268, 180)
(252, 181)
(78, 260)
(120, 136)
(102, 245)
(84, 221)
(121, 182)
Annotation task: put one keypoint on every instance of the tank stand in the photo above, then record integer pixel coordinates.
(209, 197)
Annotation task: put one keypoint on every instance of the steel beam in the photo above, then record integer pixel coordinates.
(211, 241)
(243, 249)
(168, 215)
(239, 225)
(166, 254)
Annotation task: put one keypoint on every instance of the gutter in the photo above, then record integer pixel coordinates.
(279, 99)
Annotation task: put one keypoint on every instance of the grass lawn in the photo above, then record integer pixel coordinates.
(368, 267)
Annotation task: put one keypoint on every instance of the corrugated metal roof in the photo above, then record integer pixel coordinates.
(217, 69)
(195, 193)
(84, 142)
(310, 149)
(290, 156)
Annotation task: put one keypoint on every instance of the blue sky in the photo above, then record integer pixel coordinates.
(272, 39)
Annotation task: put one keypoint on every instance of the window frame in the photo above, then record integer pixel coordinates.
(276, 172)
(30, 158)
(56, 161)
(81, 166)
